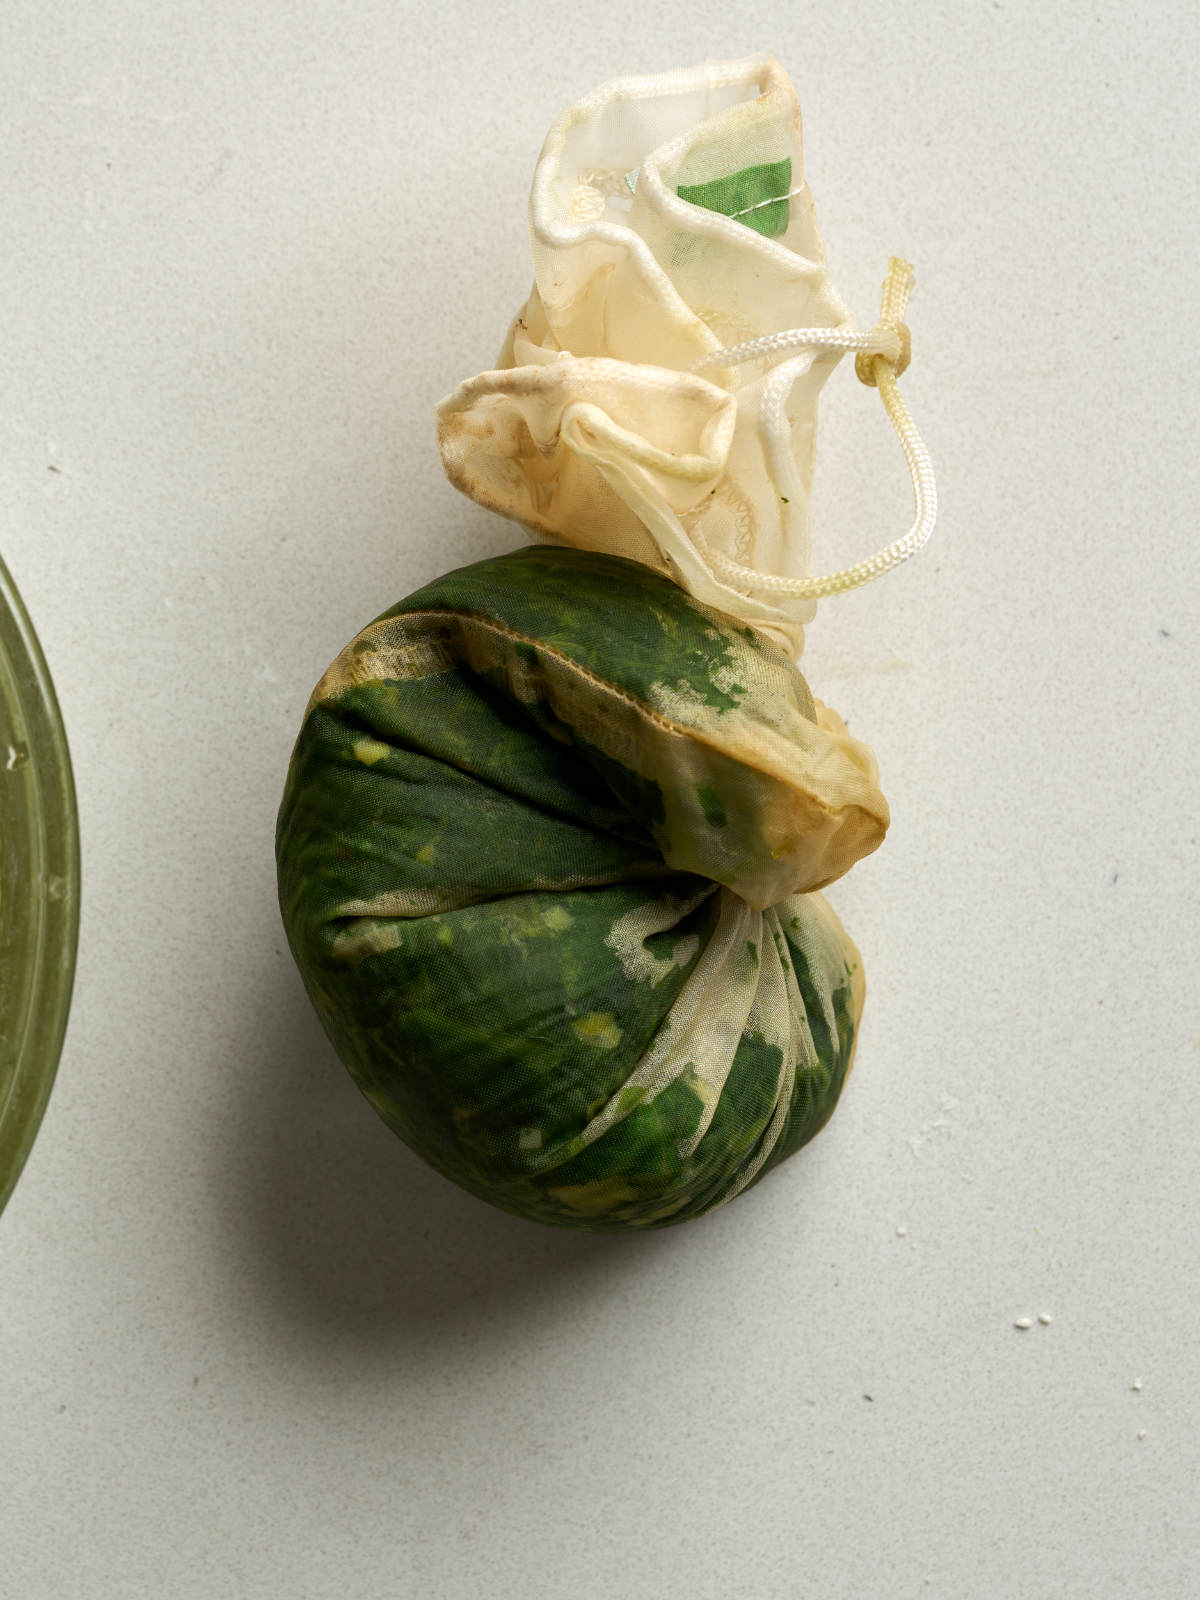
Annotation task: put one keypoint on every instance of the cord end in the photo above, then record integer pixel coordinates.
(897, 287)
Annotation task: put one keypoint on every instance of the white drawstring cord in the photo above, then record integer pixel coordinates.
(882, 355)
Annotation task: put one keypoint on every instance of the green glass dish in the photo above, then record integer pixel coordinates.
(39, 884)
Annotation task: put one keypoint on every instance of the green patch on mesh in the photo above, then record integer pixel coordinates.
(757, 196)
(492, 939)
(710, 804)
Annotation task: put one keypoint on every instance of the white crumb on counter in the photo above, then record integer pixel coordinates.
(1024, 1323)
(1045, 1318)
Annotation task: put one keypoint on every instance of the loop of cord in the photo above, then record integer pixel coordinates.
(880, 357)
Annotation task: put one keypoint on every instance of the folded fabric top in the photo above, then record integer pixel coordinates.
(669, 219)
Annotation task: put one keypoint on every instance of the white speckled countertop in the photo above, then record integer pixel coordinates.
(249, 1346)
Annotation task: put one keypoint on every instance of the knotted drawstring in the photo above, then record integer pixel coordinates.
(881, 356)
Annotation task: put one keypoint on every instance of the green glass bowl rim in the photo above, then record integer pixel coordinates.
(55, 836)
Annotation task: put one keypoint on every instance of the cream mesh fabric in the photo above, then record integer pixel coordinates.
(669, 219)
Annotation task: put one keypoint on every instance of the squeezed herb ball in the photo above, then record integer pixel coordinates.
(547, 854)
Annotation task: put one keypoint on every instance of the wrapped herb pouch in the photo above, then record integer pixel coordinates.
(547, 854)
(553, 837)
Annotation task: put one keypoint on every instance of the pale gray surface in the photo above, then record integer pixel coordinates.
(249, 1345)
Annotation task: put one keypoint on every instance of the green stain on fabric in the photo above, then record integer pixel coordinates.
(710, 804)
(742, 195)
(565, 599)
(451, 902)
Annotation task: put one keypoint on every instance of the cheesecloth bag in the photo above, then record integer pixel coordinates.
(554, 827)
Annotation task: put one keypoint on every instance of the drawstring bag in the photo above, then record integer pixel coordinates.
(555, 826)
